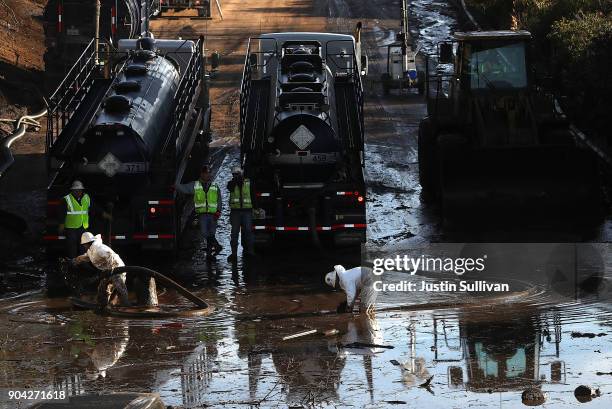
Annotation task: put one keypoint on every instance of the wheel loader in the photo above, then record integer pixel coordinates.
(493, 140)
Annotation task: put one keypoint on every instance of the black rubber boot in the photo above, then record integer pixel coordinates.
(216, 247)
(232, 258)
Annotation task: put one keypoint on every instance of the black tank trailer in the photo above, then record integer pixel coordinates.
(302, 139)
(130, 129)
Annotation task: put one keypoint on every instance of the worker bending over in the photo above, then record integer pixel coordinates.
(241, 213)
(208, 205)
(356, 282)
(103, 259)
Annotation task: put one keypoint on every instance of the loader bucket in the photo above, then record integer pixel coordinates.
(521, 181)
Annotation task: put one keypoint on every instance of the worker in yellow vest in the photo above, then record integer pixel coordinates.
(208, 205)
(78, 209)
(241, 213)
(76, 206)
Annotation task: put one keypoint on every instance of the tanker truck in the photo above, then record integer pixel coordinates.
(302, 136)
(130, 125)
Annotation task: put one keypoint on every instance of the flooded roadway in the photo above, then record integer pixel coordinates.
(481, 352)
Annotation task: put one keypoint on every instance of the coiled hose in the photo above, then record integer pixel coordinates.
(21, 126)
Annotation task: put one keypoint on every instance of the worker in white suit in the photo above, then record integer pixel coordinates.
(356, 283)
(104, 260)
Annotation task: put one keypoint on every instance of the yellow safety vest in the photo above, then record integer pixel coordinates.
(235, 196)
(77, 214)
(205, 202)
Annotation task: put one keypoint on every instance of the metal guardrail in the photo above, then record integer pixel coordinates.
(584, 139)
(352, 70)
(247, 74)
(185, 92)
(68, 96)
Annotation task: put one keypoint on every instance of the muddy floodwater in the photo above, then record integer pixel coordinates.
(482, 351)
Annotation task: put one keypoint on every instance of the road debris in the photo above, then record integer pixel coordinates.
(576, 334)
(533, 397)
(366, 345)
(299, 334)
(586, 393)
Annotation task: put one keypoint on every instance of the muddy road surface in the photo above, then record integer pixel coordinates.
(482, 351)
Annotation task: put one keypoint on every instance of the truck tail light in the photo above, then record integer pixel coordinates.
(360, 199)
(160, 207)
(52, 208)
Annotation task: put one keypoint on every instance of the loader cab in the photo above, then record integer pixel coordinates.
(491, 61)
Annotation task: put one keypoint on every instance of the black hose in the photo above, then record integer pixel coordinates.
(163, 280)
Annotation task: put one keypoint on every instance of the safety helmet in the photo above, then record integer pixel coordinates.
(236, 170)
(77, 185)
(330, 279)
(88, 237)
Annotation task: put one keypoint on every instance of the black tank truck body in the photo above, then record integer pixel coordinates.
(302, 138)
(130, 129)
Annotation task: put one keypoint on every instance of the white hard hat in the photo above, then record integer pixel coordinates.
(330, 279)
(77, 185)
(236, 170)
(88, 237)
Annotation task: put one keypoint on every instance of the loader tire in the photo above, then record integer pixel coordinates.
(450, 146)
(428, 166)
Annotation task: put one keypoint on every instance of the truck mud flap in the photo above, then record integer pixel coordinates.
(549, 178)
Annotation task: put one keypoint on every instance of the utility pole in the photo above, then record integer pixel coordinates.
(97, 35)
(145, 13)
